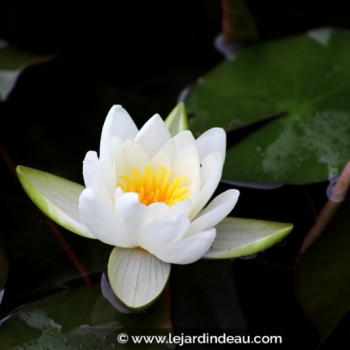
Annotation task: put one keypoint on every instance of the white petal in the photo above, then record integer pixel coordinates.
(137, 277)
(159, 234)
(161, 210)
(210, 177)
(91, 169)
(118, 127)
(134, 214)
(180, 145)
(158, 208)
(109, 160)
(189, 249)
(159, 160)
(93, 178)
(184, 158)
(153, 135)
(188, 166)
(213, 140)
(133, 156)
(180, 208)
(118, 123)
(117, 193)
(101, 222)
(216, 210)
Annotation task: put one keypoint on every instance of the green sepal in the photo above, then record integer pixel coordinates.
(237, 237)
(177, 119)
(136, 276)
(55, 196)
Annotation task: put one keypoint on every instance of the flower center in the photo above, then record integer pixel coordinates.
(155, 187)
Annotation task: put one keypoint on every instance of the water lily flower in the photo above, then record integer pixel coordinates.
(148, 190)
(146, 194)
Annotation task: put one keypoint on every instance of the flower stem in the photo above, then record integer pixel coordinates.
(238, 25)
(329, 209)
(6, 157)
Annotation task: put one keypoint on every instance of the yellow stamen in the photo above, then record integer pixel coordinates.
(155, 187)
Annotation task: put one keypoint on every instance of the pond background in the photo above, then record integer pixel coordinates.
(142, 55)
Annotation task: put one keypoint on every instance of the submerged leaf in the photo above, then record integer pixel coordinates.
(57, 197)
(137, 277)
(295, 91)
(80, 319)
(323, 276)
(12, 63)
(236, 237)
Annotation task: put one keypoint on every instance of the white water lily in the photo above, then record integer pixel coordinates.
(146, 194)
(148, 190)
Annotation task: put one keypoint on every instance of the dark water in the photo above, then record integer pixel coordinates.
(141, 59)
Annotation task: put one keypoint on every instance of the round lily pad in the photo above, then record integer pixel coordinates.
(291, 97)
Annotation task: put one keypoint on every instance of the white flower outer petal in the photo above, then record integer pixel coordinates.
(179, 146)
(93, 178)
(118, 123)
(108, 163)
(134, 214)
(180, 208)
(184, 159)
(161, 233)
(215, 212)
(161, 210)
(188, 249)
(188, 165)
(91, 169)
(101, 222)
(210, 177)
(117, 128)
(213, 140)
(153, 135)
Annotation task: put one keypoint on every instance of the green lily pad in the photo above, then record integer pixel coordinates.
(323, 276)
(12, 62)
(81, 319)
(237, 237)
(295, 91)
